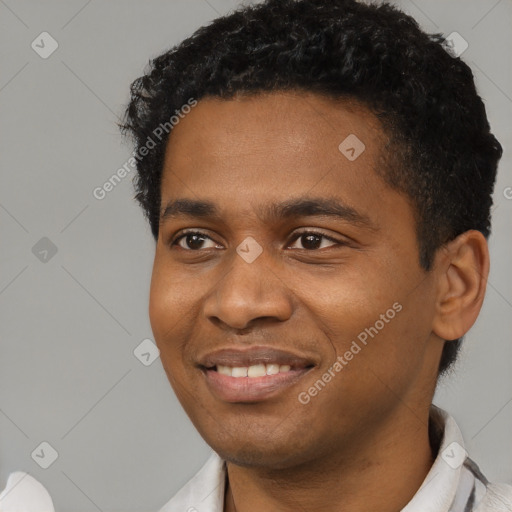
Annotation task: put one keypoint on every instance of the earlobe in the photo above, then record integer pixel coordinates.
(463, 267)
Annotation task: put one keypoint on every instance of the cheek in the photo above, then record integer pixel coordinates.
(344, 304)
(170, 295)
(394, 336)
(162, 307)
(382, 309)
(170, 316)
(170, 312)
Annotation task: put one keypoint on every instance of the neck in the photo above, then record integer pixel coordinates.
(383, 473)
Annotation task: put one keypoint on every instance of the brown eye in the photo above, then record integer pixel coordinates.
(193, 241)
(311, 240)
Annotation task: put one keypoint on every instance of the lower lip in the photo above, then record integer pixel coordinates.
(251, 389)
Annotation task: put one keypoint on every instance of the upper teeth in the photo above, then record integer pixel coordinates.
(256, 370)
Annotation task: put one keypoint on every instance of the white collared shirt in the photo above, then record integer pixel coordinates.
(23, 493)
(453, 484)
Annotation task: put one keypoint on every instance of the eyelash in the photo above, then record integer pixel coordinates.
(296, 236)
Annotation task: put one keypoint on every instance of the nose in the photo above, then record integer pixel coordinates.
(248, 293)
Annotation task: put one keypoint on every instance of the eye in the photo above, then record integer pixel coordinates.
(193, 241)
(312, 240)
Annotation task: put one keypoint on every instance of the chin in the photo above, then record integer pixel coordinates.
(269, 452)
(259, 457)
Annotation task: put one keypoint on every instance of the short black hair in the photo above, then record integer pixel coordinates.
(442, 154)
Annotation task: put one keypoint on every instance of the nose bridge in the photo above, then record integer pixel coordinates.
(248, 290)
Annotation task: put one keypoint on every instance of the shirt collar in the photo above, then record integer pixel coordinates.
(446, 488)
(438, 490)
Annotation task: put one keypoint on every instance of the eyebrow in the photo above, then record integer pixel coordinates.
(301, 207)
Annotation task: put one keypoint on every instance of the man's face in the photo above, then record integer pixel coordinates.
(325, 288)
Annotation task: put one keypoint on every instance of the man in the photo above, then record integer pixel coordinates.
(318, 177)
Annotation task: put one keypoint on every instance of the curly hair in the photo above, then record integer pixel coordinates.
(442, 153)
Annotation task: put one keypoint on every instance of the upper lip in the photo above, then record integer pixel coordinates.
(236, 357)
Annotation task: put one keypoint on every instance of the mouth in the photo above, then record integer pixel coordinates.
(254, 371)
(252, 375)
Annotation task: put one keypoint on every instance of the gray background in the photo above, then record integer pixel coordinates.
(69, 325)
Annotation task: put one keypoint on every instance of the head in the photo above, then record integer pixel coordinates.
(267, 121)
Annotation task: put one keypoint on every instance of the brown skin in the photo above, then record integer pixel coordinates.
(362, 443)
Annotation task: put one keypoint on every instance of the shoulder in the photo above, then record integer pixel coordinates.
(24, 492)
(490, 497)
(497, 498)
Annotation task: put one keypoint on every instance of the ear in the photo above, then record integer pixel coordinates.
(462, 266)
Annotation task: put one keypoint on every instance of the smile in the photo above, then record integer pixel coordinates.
(254, 374)
(254, 371)
(249, 384)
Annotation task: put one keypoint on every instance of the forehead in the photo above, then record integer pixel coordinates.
(279, 124)
(274, 145)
